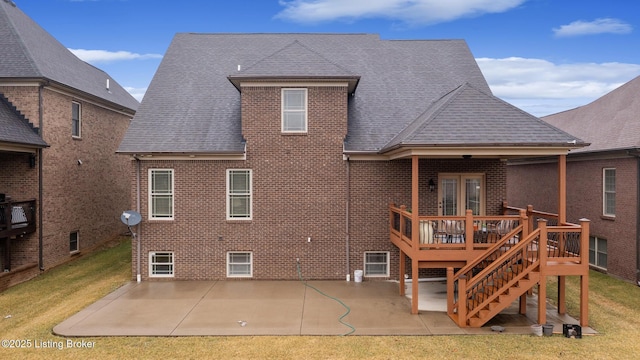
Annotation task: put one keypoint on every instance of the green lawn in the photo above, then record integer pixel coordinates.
(37, 306)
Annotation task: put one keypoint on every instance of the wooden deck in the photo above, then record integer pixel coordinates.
(498, 258)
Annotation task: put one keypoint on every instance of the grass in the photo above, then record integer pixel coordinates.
(38, 305)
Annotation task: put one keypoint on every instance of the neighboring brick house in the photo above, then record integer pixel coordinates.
(62, 121)
(603, 179)
(274, 156)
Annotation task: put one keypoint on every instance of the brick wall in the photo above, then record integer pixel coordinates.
(87, 198)
(537, 185)
(299, 192)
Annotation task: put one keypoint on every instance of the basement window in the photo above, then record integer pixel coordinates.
(376, 263)
(598, 252)
(161, 264)
(74, 242)
(239, 264)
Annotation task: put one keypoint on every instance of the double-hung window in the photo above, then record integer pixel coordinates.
(294, 110)
(76, 114)
(239, 194)
(609, 192)
(161, 194)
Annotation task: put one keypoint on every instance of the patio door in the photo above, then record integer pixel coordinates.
(458, 192)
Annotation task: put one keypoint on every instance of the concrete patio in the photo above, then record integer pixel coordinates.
(197, 308)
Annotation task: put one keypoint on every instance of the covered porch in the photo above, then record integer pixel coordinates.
(491, 259)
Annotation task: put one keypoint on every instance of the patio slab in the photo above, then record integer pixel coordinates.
(224, 308)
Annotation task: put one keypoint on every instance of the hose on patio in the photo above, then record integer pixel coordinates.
(340, 319)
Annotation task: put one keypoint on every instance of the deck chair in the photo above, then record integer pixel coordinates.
(454, 230)
(18, 217)
(426, 232)
(504, 227)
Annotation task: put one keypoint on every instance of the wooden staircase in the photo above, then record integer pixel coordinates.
(491, 283)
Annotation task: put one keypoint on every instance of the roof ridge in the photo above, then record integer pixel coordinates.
(20, 41)
(289, 46)
(421, 120)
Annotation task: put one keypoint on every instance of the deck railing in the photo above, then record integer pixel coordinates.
(17, 218)
(467, 232)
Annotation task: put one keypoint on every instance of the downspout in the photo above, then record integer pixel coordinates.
(347, 215)
(40, 187)
(636, 153)
(138, 246)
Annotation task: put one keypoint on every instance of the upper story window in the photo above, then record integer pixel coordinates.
(609, 192)
(76, 122)
(239, 194)
(294, 110)
(161, 194)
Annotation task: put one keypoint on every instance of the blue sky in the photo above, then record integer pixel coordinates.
(544, 56)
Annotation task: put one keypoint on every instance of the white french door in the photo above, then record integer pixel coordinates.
(458, 192)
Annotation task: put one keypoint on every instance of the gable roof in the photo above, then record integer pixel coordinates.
(191, 106)
(608, 123)
(468, 116)
(15, 129)
(29, 52)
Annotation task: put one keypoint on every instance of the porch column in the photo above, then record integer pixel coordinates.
(415, 232)
(562, 218)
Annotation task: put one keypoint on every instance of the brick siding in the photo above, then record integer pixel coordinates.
(299, 192)
(537, 184)
(87, 198)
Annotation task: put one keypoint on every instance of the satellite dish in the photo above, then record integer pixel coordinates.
(131, 218)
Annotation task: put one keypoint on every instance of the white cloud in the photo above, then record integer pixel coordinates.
(598, 26)
(409, 11)
(541, 87)
(103, 56)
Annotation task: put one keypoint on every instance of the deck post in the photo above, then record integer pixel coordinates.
(584, 278)
(542, 286)
(462, 301)
(450, 291)
(415, 232)
(468, 229)
(403, 264)
(562, 218)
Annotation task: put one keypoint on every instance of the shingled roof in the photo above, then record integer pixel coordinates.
(15, 129)
(29, 52)
(192, 105)
(608, 123)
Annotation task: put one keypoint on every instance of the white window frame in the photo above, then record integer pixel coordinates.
(303, 111)
(79, 134)
(77, 241)
(171, 193)
(231, 264)
(386, 264)
(152, 264)
(230, 195)
(596, 251)
(608, 193)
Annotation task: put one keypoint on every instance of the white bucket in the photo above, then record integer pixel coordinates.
(357, 276)
(536, 329)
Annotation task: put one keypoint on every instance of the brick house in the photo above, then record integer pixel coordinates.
(270, 156)
(602, 179)
(62, 120)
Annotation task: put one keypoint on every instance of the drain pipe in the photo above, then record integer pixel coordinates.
(347, 215)
(40, 187)
(138, 247)
(636, 153)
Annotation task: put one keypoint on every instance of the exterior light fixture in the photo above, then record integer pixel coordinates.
(432, 185)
